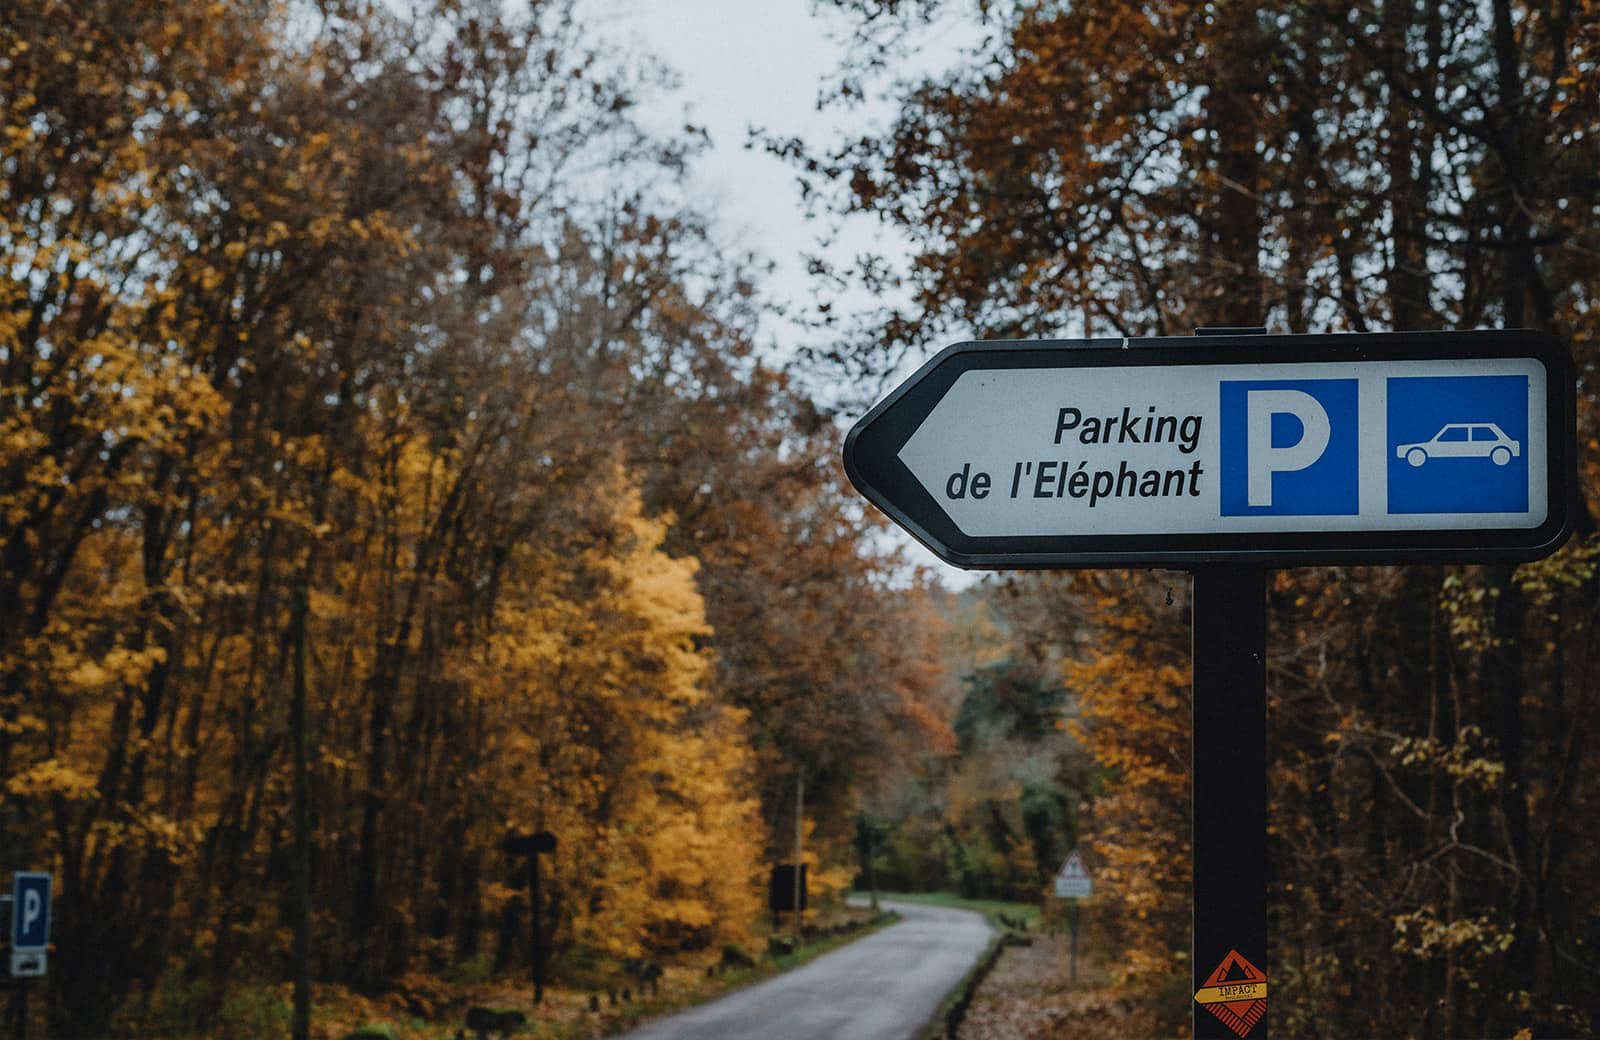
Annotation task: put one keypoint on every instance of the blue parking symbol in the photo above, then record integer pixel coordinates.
(1458, 444)
(1288, 447)
(30, 911)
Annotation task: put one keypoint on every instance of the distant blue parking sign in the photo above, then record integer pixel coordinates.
(1458, 444)
(30, 911)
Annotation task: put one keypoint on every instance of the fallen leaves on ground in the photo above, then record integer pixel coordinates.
(1030, 995)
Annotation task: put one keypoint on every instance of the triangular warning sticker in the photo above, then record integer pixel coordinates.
(1238, 971)
(1234, 968)
(1236, 992)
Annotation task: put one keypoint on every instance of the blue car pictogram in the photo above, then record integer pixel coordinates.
(1463, 441)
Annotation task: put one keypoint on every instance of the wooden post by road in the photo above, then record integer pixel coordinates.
(799, 845)
(531, 846)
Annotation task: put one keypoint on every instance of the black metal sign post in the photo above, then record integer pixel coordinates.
(1230, 803)
(531, 846)
(1226, 456)
(536, 925)
(1228, 858)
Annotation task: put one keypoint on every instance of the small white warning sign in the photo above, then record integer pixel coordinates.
(1072, 882)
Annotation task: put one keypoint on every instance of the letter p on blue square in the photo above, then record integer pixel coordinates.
(1458, 444)
(1288, 447)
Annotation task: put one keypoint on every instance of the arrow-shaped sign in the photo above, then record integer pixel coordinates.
(1272, 450)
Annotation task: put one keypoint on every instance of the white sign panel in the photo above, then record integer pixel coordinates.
(1406, 445)
(1271, 449)
(27, 964)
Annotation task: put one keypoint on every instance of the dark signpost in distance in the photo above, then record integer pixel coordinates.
(782, 887)
(533, 846)
(1225, 455)
(530, 844)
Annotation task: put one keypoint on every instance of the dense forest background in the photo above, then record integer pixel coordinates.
(388, 467)
(390, 462)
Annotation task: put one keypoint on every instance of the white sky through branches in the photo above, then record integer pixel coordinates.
(747, 64)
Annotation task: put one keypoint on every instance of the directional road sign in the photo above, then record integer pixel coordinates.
(1267, 450)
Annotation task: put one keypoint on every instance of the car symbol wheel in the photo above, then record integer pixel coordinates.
(1416, 456)
(1500, 456)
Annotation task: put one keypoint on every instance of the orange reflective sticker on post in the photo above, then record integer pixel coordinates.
(1236, 993)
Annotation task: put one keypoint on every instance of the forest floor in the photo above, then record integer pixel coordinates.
(1030, 995)
(428, 1008)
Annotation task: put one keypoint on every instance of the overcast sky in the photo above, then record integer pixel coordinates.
(762, 63)
(759, 63)
(744, 64)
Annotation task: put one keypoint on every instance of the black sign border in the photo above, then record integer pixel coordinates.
(872, 448)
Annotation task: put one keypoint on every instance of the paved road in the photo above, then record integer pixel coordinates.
(882, 987)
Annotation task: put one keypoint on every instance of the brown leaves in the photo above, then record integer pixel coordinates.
(1030, 995)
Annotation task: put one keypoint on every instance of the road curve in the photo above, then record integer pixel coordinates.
(882, 987)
